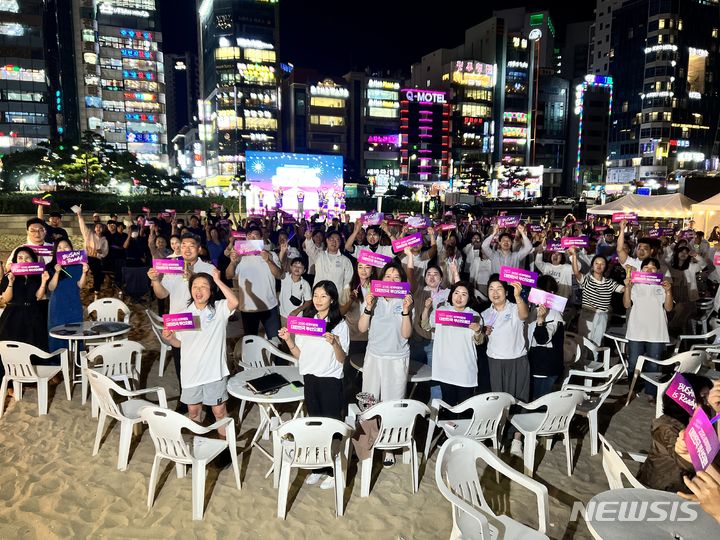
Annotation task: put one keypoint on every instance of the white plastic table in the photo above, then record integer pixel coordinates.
(75, 332)
(690, 522)
(417, 372)
(269, 415)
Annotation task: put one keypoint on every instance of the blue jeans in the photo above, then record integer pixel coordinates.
(652, 350)
(541, 386)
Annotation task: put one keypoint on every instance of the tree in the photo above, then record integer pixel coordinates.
(84, 170)
(17, 164)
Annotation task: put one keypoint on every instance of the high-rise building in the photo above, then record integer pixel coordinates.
(120, 75)
(181, 92)
(575, 51)
(374, 128)
(549, 147)
(25, 101)
(666, 70)
(239, 76)
(599, 38)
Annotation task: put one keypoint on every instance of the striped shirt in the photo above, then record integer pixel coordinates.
(597, 294)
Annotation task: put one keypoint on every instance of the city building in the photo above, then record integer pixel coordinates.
(186, 155)
(575, 51)
(424, 136)
(374, 129)
(181, 92)
(315, 113)
(593, 102)
(120, 75)
(599, 37)
(239, 85)
(549, 147)
(25, 103)
(665, 66)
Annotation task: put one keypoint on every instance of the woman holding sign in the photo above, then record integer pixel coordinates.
(650, 297)
(25, 316)
(457, 333)
(388, 321)
(65, 284)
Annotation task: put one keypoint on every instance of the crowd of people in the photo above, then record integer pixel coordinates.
(317, 268)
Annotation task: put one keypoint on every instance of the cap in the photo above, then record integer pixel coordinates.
(55, 214)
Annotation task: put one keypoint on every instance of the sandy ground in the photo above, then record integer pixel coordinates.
(52, 487)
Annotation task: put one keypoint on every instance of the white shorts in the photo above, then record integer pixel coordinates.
(385, 377)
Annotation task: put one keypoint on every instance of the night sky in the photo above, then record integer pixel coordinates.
(336, 37)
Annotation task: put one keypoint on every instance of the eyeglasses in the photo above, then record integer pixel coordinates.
(37, 230)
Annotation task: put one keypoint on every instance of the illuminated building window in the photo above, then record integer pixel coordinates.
(260, 56)
(376, 112)
(261, 124)
(714, 32)
(475, 110)
(317, 101)
(696, 70)
(227, 53)
(374, 93)
(17, 73)
(323, 120)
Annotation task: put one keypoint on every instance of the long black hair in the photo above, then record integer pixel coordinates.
(676, 264)
(472, 302)
(334, 316)
(355, 281)
(213, 288)
(24, 249)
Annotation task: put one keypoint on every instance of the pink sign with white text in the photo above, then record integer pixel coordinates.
(453, 318)
(373, 218)
(409, 241)
(27, 269)
(647, 278)
(306, 326)
(249, 247)
(41, 202)
(169, 266)
(418, 222)
(630, 217)
(378, 260)
(574, 241)
(554, 246)
(549, 300)
(524, 277)
(447, 227)
(68, 258)
(41, 251)
(701, 440)
(534, 228)
(389, 289)
(508, 221)
(682, 392)
(179, 321)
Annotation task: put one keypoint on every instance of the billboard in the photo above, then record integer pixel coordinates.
(316, 177)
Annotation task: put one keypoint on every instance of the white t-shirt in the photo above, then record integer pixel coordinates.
(256, 283)
(647, 320)
(507, 340)
(179, 288)
(317, 356)
(384, 336)
(288, 288)
(637, 264)
(382, 250)
(454, 353)
(202, 352)
(336, 268)
(562, 273)
(480, 270)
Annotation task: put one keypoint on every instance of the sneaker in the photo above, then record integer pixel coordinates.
(328, 483)
(516, 448)
(388, 460)
(314, 478)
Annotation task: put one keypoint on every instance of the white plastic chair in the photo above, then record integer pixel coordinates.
(702, 341)
(457, 479)
(166, 432)
(254, 349)
(127, 412)
(154, 317)
(601, 355)
(487, 422)
(121, 361)
(15, 357)
(685, 362)
(397, 423)
(555, 420)
(615, 468)
(594, 395)
(165, 347)
(106, 310)
(307, 443)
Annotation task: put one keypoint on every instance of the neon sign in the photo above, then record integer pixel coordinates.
(424, 96)
(384, 139)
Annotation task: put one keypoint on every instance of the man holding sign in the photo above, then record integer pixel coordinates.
(504, 255)
(333, 266)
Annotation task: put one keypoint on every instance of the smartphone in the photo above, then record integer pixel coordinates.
(297, 384)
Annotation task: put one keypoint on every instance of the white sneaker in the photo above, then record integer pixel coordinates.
(328, 483)
(314, 478)
(516, 448)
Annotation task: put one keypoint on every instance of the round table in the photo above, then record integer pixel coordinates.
(648, 516)
(269, 415)
(87, 330)
(417, 372)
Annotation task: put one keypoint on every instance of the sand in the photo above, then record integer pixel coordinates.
(52, 486)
